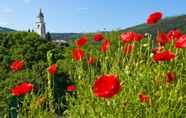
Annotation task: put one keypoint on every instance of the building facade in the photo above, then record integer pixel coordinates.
(40, 25)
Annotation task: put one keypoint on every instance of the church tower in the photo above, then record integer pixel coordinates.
(40, 25)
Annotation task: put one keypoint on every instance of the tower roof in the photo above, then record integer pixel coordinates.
(40, 13)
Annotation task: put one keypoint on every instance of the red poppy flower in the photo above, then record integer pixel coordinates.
(181, 42)
(171, 76)
(52, 69)
(144, 98)
(138, 37)
(164, 56)
(128, 49)
(71, 88)
(106, 86)
(127, 37)
(154, 18)
(91, 59)
(82, 41)
(157, 50)
(98, 37)
(173, 34)
(17, 65)
(105, 46)
(162, 38)
(21, 89)
(77, 54)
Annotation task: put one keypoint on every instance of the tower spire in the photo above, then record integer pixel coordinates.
(40, 24)
(40, 13)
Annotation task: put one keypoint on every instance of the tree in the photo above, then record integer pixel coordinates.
(48, 36)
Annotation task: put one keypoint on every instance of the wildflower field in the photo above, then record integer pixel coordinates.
(102, 75)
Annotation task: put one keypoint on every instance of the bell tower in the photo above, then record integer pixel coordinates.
(40, 25)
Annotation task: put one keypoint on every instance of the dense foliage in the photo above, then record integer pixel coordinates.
(30, 48)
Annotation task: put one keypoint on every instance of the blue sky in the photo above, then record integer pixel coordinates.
(84, 15)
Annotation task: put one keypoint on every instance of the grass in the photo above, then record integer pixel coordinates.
(137, 72)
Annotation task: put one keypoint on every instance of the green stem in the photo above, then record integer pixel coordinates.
(50, 78)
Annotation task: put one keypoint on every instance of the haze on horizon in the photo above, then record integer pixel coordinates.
(84, 15)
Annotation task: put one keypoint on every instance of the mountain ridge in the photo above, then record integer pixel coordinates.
(164, 25)
(6, 29)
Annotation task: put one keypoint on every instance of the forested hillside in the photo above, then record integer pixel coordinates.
(165, 25)
(33, 50)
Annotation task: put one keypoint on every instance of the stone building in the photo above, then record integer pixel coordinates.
(40, 25)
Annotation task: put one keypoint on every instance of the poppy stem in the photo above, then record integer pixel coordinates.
(50, 79)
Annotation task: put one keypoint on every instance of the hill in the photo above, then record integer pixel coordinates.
(5, 29)
(165, 25)
(65, 36)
